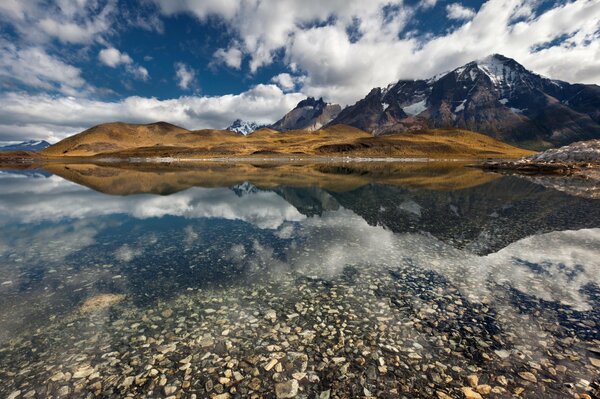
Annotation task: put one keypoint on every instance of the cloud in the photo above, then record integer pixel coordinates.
(185, 75)
(55, 117)
(69, 21)
(286, 81)
(57, 200)
(113, 57)
(34, 67)
(312, 38)
(231, 57)
(458, 11)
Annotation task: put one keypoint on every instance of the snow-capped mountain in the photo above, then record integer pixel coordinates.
(309, 114)
(495, 95)
(31, 145)
(243, 127)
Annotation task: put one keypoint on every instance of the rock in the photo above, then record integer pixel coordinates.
(83, 371)
(271, 364)
(470, 394)
(127, 381)
(299, 376)
(167, 313)
(325, 394)
(595, 362)
(502, 354)
(502, 380)
(225, 395)
(473, 380)
(287, 389)
(528, 376)
(484, 389)
(255, 384)
(271, 315)
(442, 395)
(15, 394)
(169, 390)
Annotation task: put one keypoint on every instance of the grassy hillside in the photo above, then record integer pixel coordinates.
(163, 139)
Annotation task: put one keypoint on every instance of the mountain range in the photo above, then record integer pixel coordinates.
(31, 145)
(496, 96)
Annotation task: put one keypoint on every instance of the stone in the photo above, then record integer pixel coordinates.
(325, 394)
(470, 394)
(15, 394)
(442, 395)
(595, 362)
(528, 376)
(255, 384)
(287, 389)
(167, 313)
(484, 389)
(473, 380)
(83, 371)
(169, 389)
(271, 364)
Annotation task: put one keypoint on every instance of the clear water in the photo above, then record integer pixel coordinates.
(379, 284)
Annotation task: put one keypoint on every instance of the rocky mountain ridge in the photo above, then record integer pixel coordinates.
(310, 115)
(496, 96)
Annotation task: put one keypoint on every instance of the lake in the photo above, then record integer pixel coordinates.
(384, 280)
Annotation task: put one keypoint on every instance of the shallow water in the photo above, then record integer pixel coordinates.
(315, 282)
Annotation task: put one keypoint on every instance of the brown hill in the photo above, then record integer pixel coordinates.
(165, 140)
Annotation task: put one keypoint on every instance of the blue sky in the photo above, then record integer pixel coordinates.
(66, 65)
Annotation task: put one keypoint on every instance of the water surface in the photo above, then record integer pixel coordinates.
(318, 281)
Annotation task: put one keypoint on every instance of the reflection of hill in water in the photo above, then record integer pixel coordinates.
(464, 207)
(133, 179)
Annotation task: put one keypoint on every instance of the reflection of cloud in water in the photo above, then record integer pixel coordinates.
(57, 199)
(554, 266)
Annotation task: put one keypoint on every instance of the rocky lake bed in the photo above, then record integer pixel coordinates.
(376, 291)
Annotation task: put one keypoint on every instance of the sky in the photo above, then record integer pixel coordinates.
(67, 65)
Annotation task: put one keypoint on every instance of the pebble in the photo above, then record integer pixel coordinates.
(473, 380)
(528, 376)
(470, 394)
(287, 389)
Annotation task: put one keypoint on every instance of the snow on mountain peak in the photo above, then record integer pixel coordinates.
(243, 127)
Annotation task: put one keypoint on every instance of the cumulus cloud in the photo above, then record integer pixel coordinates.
(63, 200)
(69, 21)
(112, 57)
(34, 67)
(185, 75)
(458, 11)
(231, 57)
(286, 81)
(55, 117)
(314, 39)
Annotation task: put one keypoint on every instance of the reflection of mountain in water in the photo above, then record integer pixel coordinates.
(464, 207)
(483, 219)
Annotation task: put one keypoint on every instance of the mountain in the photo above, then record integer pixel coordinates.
(243, 127)
(31, 145)
(309, 114)
(496, 96)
